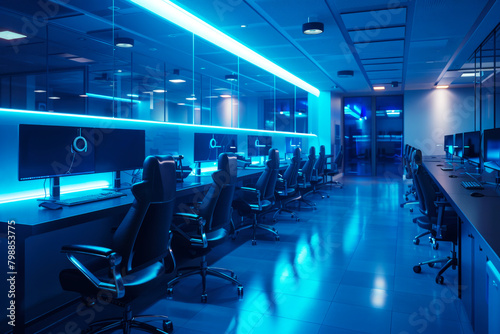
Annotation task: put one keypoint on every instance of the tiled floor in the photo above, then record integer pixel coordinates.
(343, 268)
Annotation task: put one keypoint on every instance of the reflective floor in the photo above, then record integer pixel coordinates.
(343, 268)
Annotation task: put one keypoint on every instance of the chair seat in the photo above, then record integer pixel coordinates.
(305, 186)
(265, 204)
(74, 280)
(282, 193)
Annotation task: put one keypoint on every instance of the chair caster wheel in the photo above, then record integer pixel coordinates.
(406, 199)
(277, 238)
(240, 291)
(168, 326)
(411, 209)
(453, 267)
(431, 265)
(315, 208)
(417, 269)
(274, 220)
(327, 196)
(254, 242)
(435, 246)
(416, 241)
(170, 292)
(322, 197)
(439, 279)
(297, 219)
(204, 298)
(341, 187)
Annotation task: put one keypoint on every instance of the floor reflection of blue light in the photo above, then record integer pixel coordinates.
(380, 283)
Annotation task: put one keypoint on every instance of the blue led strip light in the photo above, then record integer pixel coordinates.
(188, 21)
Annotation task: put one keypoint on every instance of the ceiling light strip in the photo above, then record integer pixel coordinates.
(188, 21)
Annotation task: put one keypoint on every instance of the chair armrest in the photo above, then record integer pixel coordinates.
(253, 193)
(114, 260)
(192, 218)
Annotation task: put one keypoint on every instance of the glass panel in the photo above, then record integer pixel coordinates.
(497, 78)
(301, 111)
(285, 106)
(389, 122)
(487, 84)
(477, 94)
(357, 132)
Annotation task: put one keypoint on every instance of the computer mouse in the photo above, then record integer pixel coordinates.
(476, 194)
(50, 205)
(452, 176)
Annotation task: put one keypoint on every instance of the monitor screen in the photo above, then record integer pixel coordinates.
(458, 147)
(119, 149)
(491, 140)
(448, 144)
(292, 143)
(259, 145)
(208, 146)
(472, 146)
(50, 151)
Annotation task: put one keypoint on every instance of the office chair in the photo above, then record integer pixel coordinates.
(304, 179)
(205, 227)
(410, 168)
(318, 175)
(442, 223)
(258, 201)
(136, 257)
(335, 168)
(287, 186)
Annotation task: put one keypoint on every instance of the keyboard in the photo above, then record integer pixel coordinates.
(90, 198)
(472, 185)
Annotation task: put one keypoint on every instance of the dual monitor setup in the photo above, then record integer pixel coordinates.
(467, 146)
(47, 151)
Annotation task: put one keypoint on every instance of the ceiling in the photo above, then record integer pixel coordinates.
(405, 44)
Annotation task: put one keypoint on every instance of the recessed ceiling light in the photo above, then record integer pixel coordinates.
(40, 91)
(378, 87)
(192, 98)
(10, 35)
(81, 60)
(225, 95)
(181, 104)
(243, 26)
(84, 95)
(54, 98)
(442, 86)
(124, 42)
(132, 95)
(176, 78)
(345, 74)
(159, 91)
(470, 74)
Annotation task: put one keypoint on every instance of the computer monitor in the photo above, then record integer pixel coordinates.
(458, 147)
(491, 142)
(472, 147)
(208, 146)
(259, 145)
(119, 149)
(448, 144)
(51, 151)
(292, 143)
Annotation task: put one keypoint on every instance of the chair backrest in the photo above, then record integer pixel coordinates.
(319, 166)
(216, 205)
(417, 161)
(307, 169)
(273, 164)
(292, 171)
(143, 237)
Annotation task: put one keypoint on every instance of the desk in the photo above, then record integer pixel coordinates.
(479, 242)
(30, 220)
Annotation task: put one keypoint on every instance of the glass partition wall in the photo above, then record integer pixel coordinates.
(114, 59)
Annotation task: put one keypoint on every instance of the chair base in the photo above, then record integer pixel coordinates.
(127, 322)
(416, 240)
(284, 209)
(256, 225)
(305, 201)
(449, 261)
(205, 271)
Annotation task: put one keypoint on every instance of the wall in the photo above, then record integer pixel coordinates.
(320, 119)
(432, 114)
(336, 119)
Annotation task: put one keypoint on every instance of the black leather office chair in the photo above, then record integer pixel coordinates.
(305, 176)
(207, 226)
(441, 222)
(335, 168)
(257, 202)
(318, 175)
(137, 256)
(287, 190)
(410, 170)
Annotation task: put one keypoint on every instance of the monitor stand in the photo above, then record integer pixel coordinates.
(117, 183)
(55, 190)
